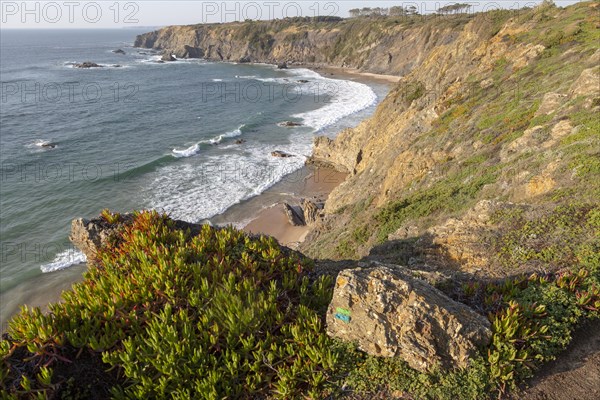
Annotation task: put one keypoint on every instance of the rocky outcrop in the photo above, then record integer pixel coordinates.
(311, 211)
(90, 236)
(168, 56)
(390, 314)
(188, 52)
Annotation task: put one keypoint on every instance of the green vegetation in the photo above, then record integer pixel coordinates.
(219, 314)
(564, 236)
(456, 191)
(533, 318)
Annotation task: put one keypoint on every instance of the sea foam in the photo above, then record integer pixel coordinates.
(64, 260)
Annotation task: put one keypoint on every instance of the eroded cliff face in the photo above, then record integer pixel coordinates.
(387, 46)
(493, 131)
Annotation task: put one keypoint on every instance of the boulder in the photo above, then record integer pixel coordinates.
(294, 216)
(282, 65)
(389, 313)
(281, 154)
(302, 81)
(168, 57)
(87, 64)
(240, 141)
(244, 60)
(119, 51)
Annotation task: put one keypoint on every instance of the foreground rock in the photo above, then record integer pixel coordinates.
(91, 235)
(391, 314)
(87, 64)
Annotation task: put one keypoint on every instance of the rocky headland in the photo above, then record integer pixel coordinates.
(461, 250)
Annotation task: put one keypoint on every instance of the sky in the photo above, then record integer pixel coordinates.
(74, 14)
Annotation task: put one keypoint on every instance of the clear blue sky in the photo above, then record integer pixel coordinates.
(112, 14)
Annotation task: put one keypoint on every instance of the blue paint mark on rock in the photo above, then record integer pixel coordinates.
(343, 318)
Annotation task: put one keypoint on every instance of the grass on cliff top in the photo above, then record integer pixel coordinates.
(223, 315)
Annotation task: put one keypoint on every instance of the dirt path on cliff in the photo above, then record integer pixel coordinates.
(574, 375)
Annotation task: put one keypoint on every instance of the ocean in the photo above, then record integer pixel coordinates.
(191, 138)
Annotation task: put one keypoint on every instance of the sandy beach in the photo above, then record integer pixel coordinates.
(264, 213)
(350, 74)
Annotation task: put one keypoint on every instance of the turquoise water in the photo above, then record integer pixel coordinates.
(140, 134)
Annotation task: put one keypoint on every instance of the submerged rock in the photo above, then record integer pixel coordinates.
(119, 51)
(289, 124)
(87, 64)
(389, 313)
(282, 65)
(281, 154)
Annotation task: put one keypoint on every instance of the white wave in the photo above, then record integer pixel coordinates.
(341, 98)
(217, 80)
(194, 192)
(219, 139)
(195, 148)
(246, 76)
(64, 260)
(190, 151)
(41, 144)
